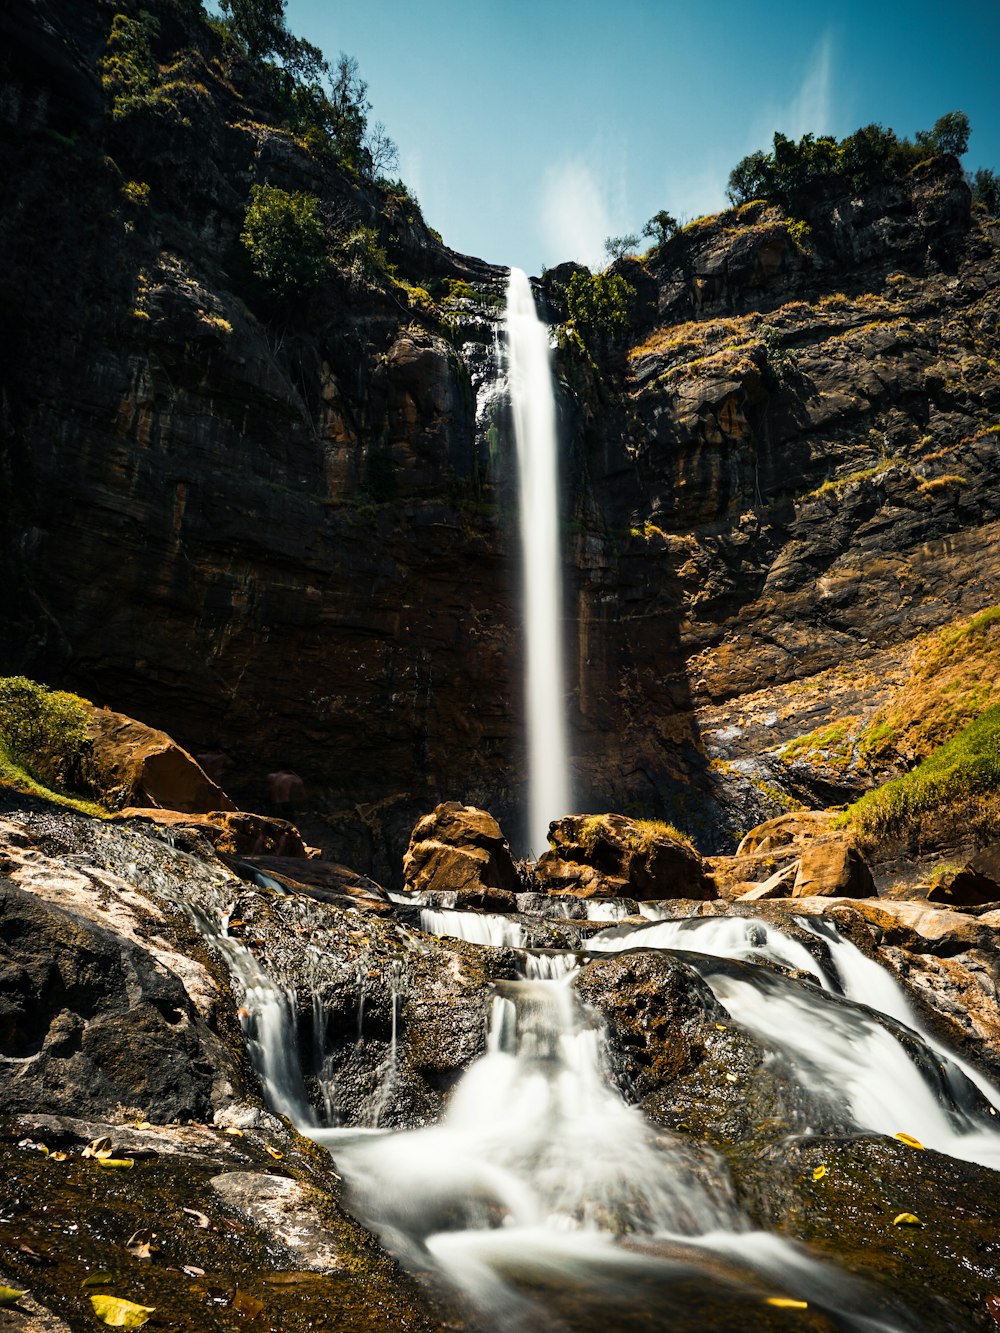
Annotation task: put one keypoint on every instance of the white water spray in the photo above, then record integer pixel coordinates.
(534, 410)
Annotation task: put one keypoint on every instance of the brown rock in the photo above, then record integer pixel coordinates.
(459, 847)
(787, 831)
(833, 869)
(975, 884)
(778, 885)
(614, 856)
(131, 764)
(233, 832)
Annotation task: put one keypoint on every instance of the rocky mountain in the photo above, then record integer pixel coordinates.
(283, 530)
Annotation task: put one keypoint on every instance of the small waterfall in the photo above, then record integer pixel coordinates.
(476, 927)
(534, 410)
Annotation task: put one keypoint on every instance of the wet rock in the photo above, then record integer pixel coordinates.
(975, 885)
(849, 1214)
(833, 869)
(130, 764)
(93, 1019)
(611, 856)
(325, 881)
(459, 847)
(288, 1211)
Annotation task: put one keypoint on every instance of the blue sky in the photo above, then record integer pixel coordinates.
(531, 129)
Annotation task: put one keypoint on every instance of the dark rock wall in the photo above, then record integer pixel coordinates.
(286, 532)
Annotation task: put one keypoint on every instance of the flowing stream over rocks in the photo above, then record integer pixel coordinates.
(551, 1203)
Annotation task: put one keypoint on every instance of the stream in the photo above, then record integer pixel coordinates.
(550, 1203)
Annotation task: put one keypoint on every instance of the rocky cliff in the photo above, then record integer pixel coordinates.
(284, 531)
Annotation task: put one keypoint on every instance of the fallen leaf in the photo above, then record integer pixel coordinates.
(8, 1295)
(786, 1303)
(819, 1172)
(236, 1133)
(96, 1280)
(907, 1220)
(274, 1152)
(34, 1258)
(248, 1305)
(199, 1219)
(116, 1163)
(143, 1124)
(993, 1308)
(140, 1245)
(59, 1156)
(192, 1270)
(910, 1141)
(720, 1027)
(121, 1314)
(98, 1148)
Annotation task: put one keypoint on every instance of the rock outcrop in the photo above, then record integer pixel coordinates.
(612, 856)
(459, 848)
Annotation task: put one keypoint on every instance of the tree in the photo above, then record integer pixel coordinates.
(949, 135)
(259, 24)
(617, 247)
(660, 227)
(751, 178)
(986, 190)
(285, 238)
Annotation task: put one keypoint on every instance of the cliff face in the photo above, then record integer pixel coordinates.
(285, 531)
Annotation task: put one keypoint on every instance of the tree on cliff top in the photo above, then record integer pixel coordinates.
(260, 26)
(793, 168)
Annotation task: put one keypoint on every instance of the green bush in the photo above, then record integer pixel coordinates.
(598, 306)
(43, 731)
(284, 236)
(364, 256)
(129, 73)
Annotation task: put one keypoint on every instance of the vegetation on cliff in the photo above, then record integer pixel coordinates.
(43, 741)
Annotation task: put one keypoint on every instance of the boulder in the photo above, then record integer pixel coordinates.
(833, 869)
(613, 856)
(975, 884)
(131, 764)
(788, 830)
(461, 848)
(231, 832)
(90, 1020)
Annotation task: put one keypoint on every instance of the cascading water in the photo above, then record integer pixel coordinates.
(534, 412)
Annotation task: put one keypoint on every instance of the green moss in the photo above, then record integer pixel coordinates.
(967, 766)
(836, 485)
(831, 745)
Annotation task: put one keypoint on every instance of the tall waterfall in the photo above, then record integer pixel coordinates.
(534, 411)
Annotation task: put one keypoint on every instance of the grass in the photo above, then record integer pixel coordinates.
(832, 745)
(836, 485)
(17, 778)
(640, 838)
(954, 678)
(966, 766)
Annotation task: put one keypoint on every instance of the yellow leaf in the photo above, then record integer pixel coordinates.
(120, 1314)
(97, 1280)
(907, 1220)
(786, 1303)
(236, 1133)
(274, 1152)
(910, 1141)
(8, 1295)
(98, 1148)
(143, 1124)
(116, 1163)
(819, 1172)
(59, 1156)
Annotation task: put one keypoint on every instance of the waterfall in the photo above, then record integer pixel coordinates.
(534, 411)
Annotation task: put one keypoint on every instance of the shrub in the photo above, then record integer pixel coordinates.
(365, 258)
(43, 731)
(129, 73)
(598, 306)
(285, 239)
